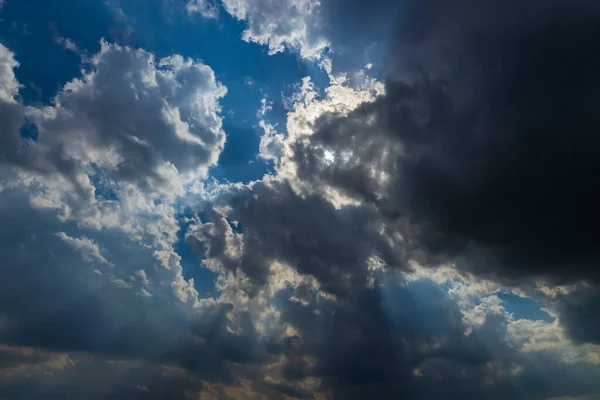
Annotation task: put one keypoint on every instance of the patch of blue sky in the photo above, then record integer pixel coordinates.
(31, 29)
(105, 188)
(191, 261)
(524, 308)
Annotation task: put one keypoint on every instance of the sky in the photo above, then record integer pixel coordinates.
(299, 199)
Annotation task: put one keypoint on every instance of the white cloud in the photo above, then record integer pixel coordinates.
(152, 123)
(281, 24)
(271, 143)
(206, 8)
(89, 249)
(306, 106)
(9, 86)
(477, 298)
(539, 336)
(265, 107)
(112, 152)
(12, 146)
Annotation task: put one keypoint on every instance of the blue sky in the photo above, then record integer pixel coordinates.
(297, 199)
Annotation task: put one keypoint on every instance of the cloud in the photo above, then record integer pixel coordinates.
(456, 160)
(58, 298)
(358, 328)
(133, 117)
(281, 25)
(578, 314)
(35, 374)
(11, 111)
(87, 190)
(206, 8)
(487, 153)
(8, 82)
(304, 232)
(271, 143)
(89, 249)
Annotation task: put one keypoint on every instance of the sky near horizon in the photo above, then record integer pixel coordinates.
(299, 199)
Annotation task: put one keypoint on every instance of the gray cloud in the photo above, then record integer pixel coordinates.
(55, 299)
(486, 134)
(304, 232)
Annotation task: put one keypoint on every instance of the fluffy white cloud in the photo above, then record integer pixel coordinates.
(139, 120)
(9, 85)
(281, 24)
(89, 249)
(111, 153)
(271, 142)
(114, 149)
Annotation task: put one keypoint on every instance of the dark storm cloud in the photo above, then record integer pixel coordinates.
(307, 233)
(359, 33)
(375, 342)
(580, 314)
(35, 374)
(489, 132)
(409, 341)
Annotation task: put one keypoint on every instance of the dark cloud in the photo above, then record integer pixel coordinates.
(359, 34)
(34, 374)
(488, 132)
(409, 341)
(307, 233)
(379, 342)
(53, 300)
(580, 316)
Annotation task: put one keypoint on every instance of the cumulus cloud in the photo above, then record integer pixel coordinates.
(134, 117)
(272, 143)
(281, 24)
(89, 265)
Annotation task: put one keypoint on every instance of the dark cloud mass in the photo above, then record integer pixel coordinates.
(489, 133)
(306, 233)
(381, 342)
